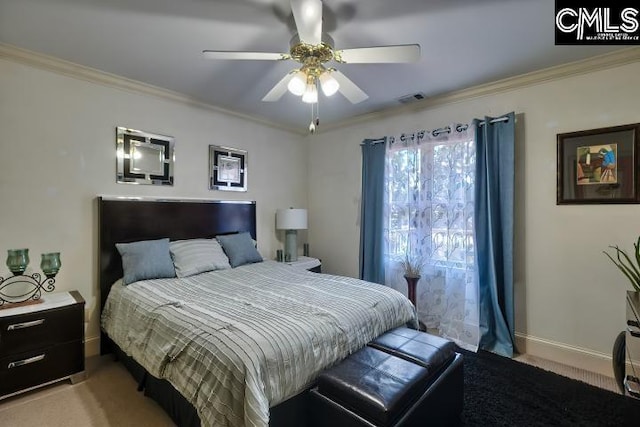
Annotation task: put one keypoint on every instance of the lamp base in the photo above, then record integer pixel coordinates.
(291, 246)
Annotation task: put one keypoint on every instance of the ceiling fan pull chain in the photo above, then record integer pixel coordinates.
(312, 125)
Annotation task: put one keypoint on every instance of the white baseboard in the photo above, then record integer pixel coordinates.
(582, 358)
(91, 346)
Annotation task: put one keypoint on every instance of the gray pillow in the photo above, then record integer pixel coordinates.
(197, 256)
(239, 248)
(146, 259)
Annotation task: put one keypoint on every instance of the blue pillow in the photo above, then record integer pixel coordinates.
(147, 259)
(239, 249)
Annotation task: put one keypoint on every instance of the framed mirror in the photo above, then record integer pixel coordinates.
(227, 168)
(144, 157)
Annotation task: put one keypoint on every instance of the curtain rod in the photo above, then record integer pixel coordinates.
(435, 132)
(459, 128)
(376, 141)
(499, 119)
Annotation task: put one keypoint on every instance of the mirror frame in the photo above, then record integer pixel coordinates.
(227, 168)
(127, 173)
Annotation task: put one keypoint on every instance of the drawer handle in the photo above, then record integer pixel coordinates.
(632, 386)
(23, 362)
(25, 325)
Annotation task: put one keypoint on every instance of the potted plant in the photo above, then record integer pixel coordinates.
(412, 267)
(630, 267)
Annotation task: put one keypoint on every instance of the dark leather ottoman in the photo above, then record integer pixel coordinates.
(427, 350)
(403, 378)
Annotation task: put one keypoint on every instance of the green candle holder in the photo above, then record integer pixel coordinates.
(17, 260)
(20, 288)
(50, 264)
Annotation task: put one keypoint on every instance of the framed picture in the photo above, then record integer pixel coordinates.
(227, 168)
(144, 157)
(599, 166)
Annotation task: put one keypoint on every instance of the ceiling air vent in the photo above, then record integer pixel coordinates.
(407, 99)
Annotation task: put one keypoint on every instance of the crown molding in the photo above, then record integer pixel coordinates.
(601, 62)
(70, 69)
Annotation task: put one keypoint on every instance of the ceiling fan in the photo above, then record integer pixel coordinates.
(313, 50)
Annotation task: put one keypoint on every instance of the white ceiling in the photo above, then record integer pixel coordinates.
(159, 42)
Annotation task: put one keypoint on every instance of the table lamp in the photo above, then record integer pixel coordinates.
(291, 220)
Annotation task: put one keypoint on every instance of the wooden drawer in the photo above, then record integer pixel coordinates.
(29, 369)
(42, 329)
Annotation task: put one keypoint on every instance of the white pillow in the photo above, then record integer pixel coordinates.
(195, 256)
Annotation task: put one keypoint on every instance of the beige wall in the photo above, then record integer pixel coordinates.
(58, 153)
(568, 296)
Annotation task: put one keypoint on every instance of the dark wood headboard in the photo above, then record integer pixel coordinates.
(124, 220)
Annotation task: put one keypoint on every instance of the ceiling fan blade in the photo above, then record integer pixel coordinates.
(380, 54)
(308, 17)
(349, 89)
(278, 90)
(256, 56)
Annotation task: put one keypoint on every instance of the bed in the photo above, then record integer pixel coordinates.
(238, 346)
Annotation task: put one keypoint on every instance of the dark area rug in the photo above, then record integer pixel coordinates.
(502, 392)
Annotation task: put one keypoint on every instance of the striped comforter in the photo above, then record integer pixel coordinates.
(235, 342)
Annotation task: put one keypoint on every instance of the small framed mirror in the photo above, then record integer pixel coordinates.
(227, 168)
(144, 157)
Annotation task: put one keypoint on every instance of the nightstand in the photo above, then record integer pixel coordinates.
(308, 263)
(42, 343)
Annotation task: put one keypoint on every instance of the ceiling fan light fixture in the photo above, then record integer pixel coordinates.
(328, 84)
(313, 50)
(310, 95)
(298, 83)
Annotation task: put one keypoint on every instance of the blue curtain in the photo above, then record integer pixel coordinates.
(494, 193)
(371, 215)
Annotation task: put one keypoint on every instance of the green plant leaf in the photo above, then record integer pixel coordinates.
(626, 265)
(621, 267)
(635, 273)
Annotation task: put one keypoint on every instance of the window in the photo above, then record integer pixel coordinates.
(429, 205)
(429, 209)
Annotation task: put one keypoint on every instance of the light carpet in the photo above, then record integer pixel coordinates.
(108, 397)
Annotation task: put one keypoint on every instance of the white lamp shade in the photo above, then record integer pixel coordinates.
(310, 95)
(291, 219)
(328, 84)
(298, 83)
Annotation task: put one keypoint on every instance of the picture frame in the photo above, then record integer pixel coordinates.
(227, 168)
(598, 166)
(144, 157)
